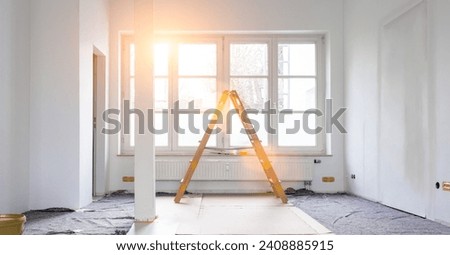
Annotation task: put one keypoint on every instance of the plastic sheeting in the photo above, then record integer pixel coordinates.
(350, 215)
(111, 215)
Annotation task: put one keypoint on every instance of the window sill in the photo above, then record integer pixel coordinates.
(209, 154)
(124, 155)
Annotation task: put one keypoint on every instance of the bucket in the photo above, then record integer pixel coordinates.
(12, 224)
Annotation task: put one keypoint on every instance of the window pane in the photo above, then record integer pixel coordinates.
(197, 59)
(298, 94)
(132, 93)
(297, 59)
(132, 130)
(291, 132)
(160, 139)
(238, 139)
(161, 93)
(132, 106)
(248, 59)
(253, 92)
(191, 138)
(132, 59)
(201, 91)
(161, 59)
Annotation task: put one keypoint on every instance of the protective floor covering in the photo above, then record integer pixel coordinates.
(111, 215)
(248, 215)
(349, 215)
(340, 213)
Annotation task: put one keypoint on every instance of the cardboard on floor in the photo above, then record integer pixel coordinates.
(228, 214)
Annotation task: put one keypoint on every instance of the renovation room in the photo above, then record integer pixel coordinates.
(210, 117)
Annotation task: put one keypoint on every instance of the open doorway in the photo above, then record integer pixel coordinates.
(99, 142)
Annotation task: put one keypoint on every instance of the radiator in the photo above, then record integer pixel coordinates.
(235, 169)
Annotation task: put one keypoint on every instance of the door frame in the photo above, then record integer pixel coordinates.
(100, 141)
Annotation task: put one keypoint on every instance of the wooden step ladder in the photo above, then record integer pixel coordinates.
(256, 144)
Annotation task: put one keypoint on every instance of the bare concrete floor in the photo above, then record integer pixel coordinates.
(228, 214)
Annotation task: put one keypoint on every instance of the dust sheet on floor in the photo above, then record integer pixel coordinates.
(346, 214)
(111, 215)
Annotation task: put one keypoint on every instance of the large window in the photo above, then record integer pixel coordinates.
(127, 71)
(281, 75)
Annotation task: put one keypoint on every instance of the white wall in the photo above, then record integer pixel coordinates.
(404, 87)
(46, 101)
(94, 32)
(63, 36)
(440, 72)
(54, 104)
(362, 23)
(14, 105)
(235, 15)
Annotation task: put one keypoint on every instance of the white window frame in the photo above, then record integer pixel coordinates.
(319, 41)
(223, 77)
(173, 77)
(173, 72)
(126, 40)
